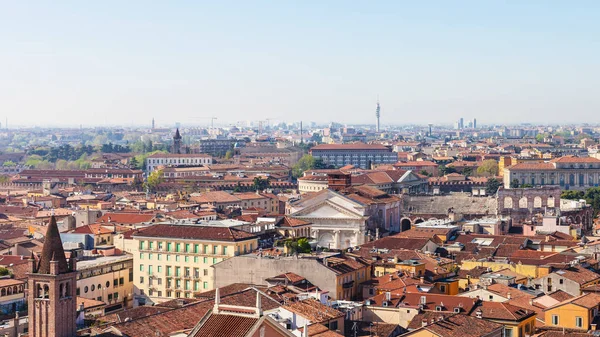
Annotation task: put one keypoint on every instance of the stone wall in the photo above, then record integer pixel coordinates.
(254, 270)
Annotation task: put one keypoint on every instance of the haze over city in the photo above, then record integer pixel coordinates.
(122, 63)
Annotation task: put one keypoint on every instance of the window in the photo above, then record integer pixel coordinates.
(141, 256)
(121, 280)
(443, 288)
(168, 270)
(177, 247)
(187, 248)
(150, 256)
(115, 283)
(196, 286)
(141, 245)
(224, 250)
(116, 296)
(215, 250)
(214, 260)
(333, 325)
(177, 271)
(85, 289)
(159, 269)
(158, 257)
(578, 321)
(141, 267)
(141, 280)
(554, 320)
(108, 283)
(205, 260)
(159, 293)
(196, 259)
(508, 332)
(169, 246)
(150, 245)
(205, 272)
(205, 249)
(186, 258)
(561, 281)
(177, 258)
(196, 248)
(205, 285)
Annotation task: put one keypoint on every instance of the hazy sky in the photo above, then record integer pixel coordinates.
(124, 62)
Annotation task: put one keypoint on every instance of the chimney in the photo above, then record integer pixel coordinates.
(531, 301)
(508, 295)
(424, 322)
(422, 279)
(388, 296)
(391, 278)
(81, 307)
(593, 326)
(479, 313)
(435, 270)
(258, 305)
(217, 301)
(305, 334)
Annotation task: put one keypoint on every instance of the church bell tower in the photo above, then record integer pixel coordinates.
(52, 283)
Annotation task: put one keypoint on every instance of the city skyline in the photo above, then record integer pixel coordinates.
(74, 63)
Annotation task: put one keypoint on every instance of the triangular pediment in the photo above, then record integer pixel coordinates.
(327, 210)
(409, 176)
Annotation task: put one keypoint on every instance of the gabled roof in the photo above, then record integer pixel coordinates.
(194, 232)
(502, 311)
(127, 218)
(460, 326)
(588, 301)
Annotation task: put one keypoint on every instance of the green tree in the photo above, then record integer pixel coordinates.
(307, 162)
(572, 195)
(228, 154)
(425, 173)
(514, 183)
(491, 186)
(303, 245)
(4, 271)
(9, 163)
(467, 171)
(133, 163)
(260, 184)
(444, 170)
(488, 167)
(154, 179)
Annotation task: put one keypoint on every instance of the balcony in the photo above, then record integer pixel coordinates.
(348, 284)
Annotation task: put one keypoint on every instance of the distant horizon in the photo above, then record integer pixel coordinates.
(121, 63)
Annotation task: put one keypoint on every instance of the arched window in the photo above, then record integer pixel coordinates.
(508, 202)
(523, 202)
(46, 291)
(3, 292)
(537, 202)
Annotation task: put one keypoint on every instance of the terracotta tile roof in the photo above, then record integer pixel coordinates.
(91, 229)
(392, 242)
(313, 310)
(288, 221)
(588, 301)
(578, 274)
(193, 232)
(215, 197)
(502, 311)
(418, 163)
(461, 326)
(574, 159)
(560, 295)
(531, 166)
(218, 325)
(504, 290)
(320, 330)
(126, 218)
(178, 155)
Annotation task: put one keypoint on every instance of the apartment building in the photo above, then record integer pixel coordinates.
(108, 279)
(174, 261)
(569, 172)
(176, 159)
(357, 154)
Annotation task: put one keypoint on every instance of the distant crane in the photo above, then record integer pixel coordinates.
(212, 120)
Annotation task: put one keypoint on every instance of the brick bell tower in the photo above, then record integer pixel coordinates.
(52, 284)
